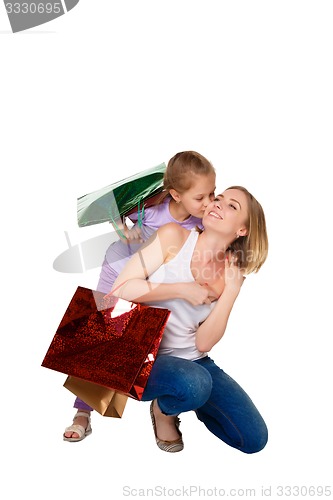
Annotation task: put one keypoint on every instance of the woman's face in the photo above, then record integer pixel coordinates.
(228, 213)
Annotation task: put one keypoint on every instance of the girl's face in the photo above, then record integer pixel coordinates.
(228, 213)
(196, 199)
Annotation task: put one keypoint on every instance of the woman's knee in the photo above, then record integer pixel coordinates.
(185, 380)
(195, 383)
(256, 439)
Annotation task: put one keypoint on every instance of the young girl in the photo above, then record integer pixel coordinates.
(189, 186)
(198, 278)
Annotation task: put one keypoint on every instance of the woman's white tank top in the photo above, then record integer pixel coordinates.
(179, 334)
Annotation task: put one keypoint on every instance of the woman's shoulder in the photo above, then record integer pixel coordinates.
(173, 233)
(172, 238)
(173, 228)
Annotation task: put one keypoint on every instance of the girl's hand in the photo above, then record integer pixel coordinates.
(126, 235)
(233, 275)
(133, 235)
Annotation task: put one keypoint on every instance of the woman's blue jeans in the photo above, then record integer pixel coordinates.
(180, 385)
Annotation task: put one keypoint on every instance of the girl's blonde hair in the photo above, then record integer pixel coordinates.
(180, 170)
(251, 250)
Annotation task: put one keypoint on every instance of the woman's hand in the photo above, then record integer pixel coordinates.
(233, 275)
(197, 294)
(212, 329)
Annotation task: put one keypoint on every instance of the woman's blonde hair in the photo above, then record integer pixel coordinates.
(251, 250)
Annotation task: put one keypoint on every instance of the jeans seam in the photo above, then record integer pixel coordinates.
(229, 420)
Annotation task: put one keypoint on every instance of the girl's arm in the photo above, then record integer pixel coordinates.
(213, 328)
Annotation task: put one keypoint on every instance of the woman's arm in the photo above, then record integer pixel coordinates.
(132, 283)
(162, 246)
(213, 328)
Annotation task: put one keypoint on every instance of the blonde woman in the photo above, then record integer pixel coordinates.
(198, 275)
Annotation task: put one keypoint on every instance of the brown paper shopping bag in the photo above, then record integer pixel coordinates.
(107, 402)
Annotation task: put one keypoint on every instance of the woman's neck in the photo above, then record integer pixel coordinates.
(211, 246)
(177, 211)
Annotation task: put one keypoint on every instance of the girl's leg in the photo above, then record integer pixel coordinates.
(81, 420)
(81, 405)
(105, 283)
(106, 278)
(230, 414)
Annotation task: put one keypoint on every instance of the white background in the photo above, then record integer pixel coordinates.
(112, 88)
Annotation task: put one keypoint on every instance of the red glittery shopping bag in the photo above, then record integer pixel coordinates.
(101, 341)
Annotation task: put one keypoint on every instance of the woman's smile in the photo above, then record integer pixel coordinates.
(215, 215)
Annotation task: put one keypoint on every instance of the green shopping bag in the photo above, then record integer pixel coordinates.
(117, 200)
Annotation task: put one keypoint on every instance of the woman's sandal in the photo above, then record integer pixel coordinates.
(170, 446)
(79, 429)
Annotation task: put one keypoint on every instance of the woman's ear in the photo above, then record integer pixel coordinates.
(175, 195)
(242, 232)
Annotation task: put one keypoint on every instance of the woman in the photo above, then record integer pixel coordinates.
(197, 276)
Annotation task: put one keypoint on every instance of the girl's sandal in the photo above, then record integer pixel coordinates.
(79, 429)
